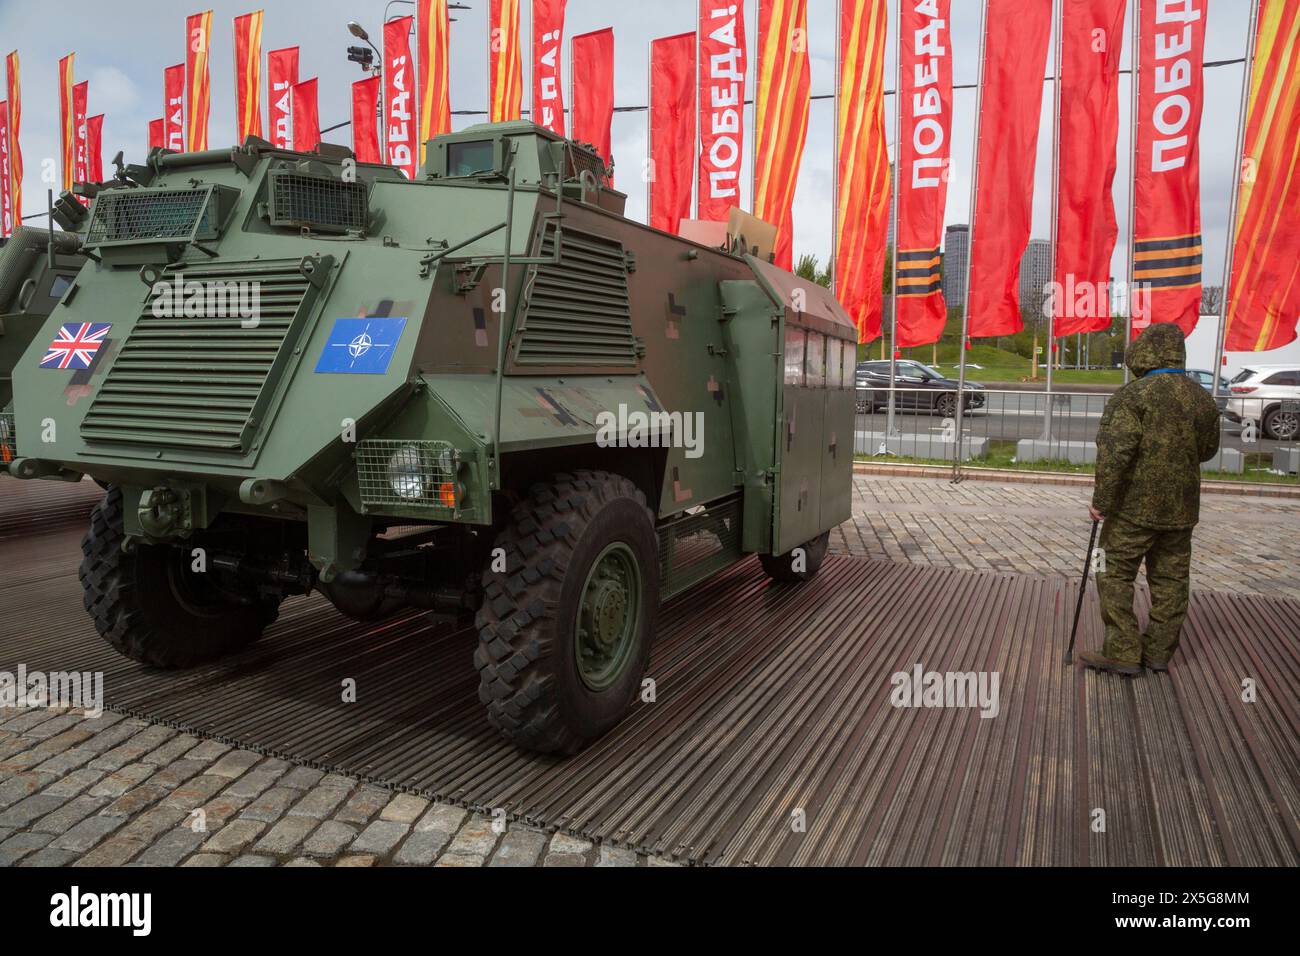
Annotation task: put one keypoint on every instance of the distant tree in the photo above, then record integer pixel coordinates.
(808, 268)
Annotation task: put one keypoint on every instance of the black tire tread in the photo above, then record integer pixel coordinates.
(516, 618)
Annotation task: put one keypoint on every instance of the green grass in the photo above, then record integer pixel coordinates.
(999, 366)
(1002, 453)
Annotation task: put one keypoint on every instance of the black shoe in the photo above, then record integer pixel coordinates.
(1156, 667)
(1099, 663)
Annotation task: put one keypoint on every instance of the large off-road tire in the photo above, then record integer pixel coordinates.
(786, 567)
(565, 630)
(151, 608)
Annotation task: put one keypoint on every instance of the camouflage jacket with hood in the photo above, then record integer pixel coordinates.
(1154, 434)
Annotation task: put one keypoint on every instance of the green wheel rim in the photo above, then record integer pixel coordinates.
(609, 616)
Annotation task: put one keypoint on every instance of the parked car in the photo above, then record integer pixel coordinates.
(917, 387)
(1205, 379)
(1269, 395)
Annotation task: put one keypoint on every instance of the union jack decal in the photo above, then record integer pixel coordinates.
(75, 345)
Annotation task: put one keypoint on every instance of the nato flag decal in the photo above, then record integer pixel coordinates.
(361, 346)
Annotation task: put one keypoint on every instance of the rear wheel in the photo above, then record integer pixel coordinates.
(797, 564)
(1281, 425)
(565, 629)
(151, 607)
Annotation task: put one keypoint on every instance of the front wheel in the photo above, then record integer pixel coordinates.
(151, 607)
(565, 629)
(797, 564)
(1281, 425)
(946, 405)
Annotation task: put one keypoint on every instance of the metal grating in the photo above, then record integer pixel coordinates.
(583, 160)
(200, 381)
(696, 545)
(776, 697)
(392, 473)
(321, 203)
(8, 438)
(151, 215)
(578, 311)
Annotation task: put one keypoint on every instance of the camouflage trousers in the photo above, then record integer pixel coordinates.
(1168, 556)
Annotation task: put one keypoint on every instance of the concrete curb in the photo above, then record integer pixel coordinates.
(1057, 478)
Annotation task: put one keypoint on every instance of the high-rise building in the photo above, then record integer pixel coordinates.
(1035, 274)
(956, 260)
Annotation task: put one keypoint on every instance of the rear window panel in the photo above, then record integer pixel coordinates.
(794, 348)
(816, 375)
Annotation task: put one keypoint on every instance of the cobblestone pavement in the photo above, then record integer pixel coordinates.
(112, 790)
(1243, 544)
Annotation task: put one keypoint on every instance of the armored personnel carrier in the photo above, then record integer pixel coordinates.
(485, 391)
(33, 277)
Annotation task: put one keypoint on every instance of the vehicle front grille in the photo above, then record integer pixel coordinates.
(201, 381)
(578, 312)
(151, 215)
(321, 203)
(8, 438)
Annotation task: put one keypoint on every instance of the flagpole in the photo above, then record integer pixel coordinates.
(1135, 83)
(757, 41)
(835, 155)
(970, 240)
(651, 171)
(1248, 69)
(1059, 20)
(893, 213)
(695, 97)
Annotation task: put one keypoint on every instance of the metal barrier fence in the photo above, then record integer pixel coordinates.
(1057, 431)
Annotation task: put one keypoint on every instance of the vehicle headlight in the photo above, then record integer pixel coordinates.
(406, 472)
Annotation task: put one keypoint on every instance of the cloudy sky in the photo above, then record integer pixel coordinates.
(122, 48)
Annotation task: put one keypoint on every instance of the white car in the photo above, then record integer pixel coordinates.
(1269, 395)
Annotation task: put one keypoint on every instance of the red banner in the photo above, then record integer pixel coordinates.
(781, 110)
(399, 95)
(157, 134)
(548, 37)
(67, 122)
(281, 75)
(198, 87)
(593, 90)
(15, 99)
(1264, 295)
(672, 130)
(174, 107)
(1167, 191)
(925, 157)
(1015, 57)
(248, 76)
(365, 120)
(862, 206)
(722, 106)
(95, 148)
(505, 62)
(6, 174)
(80, 170)
(1093, 32)
(306, 116)
(435, 90)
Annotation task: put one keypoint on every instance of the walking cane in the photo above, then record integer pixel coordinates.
(1083, 587)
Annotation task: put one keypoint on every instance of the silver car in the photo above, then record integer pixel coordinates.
(1268, 395)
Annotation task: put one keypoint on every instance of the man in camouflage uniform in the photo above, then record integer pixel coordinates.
(1154, 434)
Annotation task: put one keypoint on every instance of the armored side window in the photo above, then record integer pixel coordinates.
(816, 374)
(834, 363)
(850, 365)
(469, 159)
(794, 348)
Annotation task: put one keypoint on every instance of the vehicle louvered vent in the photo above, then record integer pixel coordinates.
(202, 381)
(321, 203)
(148, 215)
(578, 312)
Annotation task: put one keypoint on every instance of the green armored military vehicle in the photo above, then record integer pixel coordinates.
(33, 277)
(485, 390)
